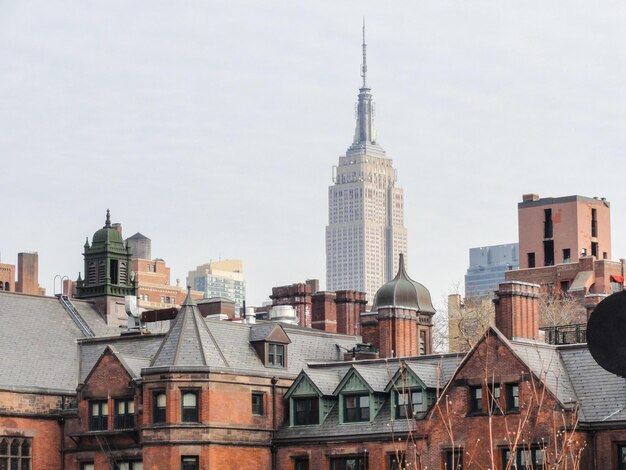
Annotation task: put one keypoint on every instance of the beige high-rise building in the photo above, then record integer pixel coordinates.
(220, 279)
(365, 233)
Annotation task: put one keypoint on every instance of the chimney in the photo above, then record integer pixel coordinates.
(324, 311)
(350, 305)
(28, 273)
(117, 227)
(517, 309)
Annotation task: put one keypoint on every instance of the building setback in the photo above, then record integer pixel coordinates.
(365, 232)
(224, 278)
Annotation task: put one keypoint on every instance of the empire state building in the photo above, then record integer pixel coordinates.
(365, 233)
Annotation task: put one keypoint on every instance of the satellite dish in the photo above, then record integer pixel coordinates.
(606, 333)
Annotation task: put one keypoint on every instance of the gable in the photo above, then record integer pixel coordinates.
(405, 378)
(108, 377)
(303, 386)
(352, 382)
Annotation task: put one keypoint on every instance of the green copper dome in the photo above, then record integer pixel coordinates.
(107, 234)
(404, 292)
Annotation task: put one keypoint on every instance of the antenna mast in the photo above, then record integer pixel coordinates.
(364, 64)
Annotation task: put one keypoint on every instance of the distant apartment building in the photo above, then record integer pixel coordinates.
(27, 275)
(487, 267)
(7, 277)
(560, 230)
(224, 278)
(154, 289)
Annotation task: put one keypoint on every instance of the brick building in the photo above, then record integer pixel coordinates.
(199, 393)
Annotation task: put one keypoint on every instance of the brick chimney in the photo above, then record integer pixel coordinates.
(350, 304)
(324, 311)
(517, 309)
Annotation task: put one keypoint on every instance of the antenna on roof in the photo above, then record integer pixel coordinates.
(364, 64)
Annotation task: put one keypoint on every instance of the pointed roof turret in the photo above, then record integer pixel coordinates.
(404, 292)
(189, 341)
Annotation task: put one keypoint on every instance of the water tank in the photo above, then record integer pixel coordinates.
(250, 315)
(284, 314)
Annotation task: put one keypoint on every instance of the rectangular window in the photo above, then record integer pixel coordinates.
(397, 461)
(531, 260)
(547, 224)
(124, 413)
(87, 466)
(356, 408)
(523, 458)
(548, 253)
(158, 407)
(347, 463)
(15, 453)
(190, 407)
(306, 411)
(476, 399)
(276, 355)
(494, 399)
(113, 271)
(564, 286)
(567, 256)
(512, 397)
(189, 462)
(594, 222)
(422, 343)
(301, 463)
(257, 404)
(454, 459)
(129, 465)
(621, 457)
(408, 403)
(594, 249)
(98, 415)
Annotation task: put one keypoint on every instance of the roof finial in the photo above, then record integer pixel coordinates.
(364, 64)
(107, 224)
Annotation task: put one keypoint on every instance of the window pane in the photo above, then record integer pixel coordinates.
(15, 447)
(25, 449)
(121, 408)
(161, 400)
(189, 400)
(130, 407)
(138, 466)
(124, 466)
(95, 409)
(105, 409)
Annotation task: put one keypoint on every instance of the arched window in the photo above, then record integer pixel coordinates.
(15, 453)
(6, 286)
(1, 285)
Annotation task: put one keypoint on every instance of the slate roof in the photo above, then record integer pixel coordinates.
(38, 342)
(546, 363)
(602, 395)
(189, 342)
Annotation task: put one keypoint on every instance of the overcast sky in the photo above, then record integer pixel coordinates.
(212, 127)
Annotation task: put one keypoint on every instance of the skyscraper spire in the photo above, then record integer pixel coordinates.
(364, 64)
(365, 133)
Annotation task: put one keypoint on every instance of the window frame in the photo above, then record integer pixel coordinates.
(494, 396)
(301, 463)
(453, 459)
(521, 454)
(512, 398)
(311, 415)
(476, 402)
(621, 456)
(99, 422)
(397, 461)
(159, 413)
(132, 465)
(401, 410)
(20, 457)
(87, 465)
(258, 409)
(124, 420)
(340, 462)
(272, 356)
(189, 414)
(358, 413)
(193, 462)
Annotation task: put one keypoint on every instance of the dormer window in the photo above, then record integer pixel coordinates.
(356, 408)
(409, 402)
(276, 355)
(306, 411)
